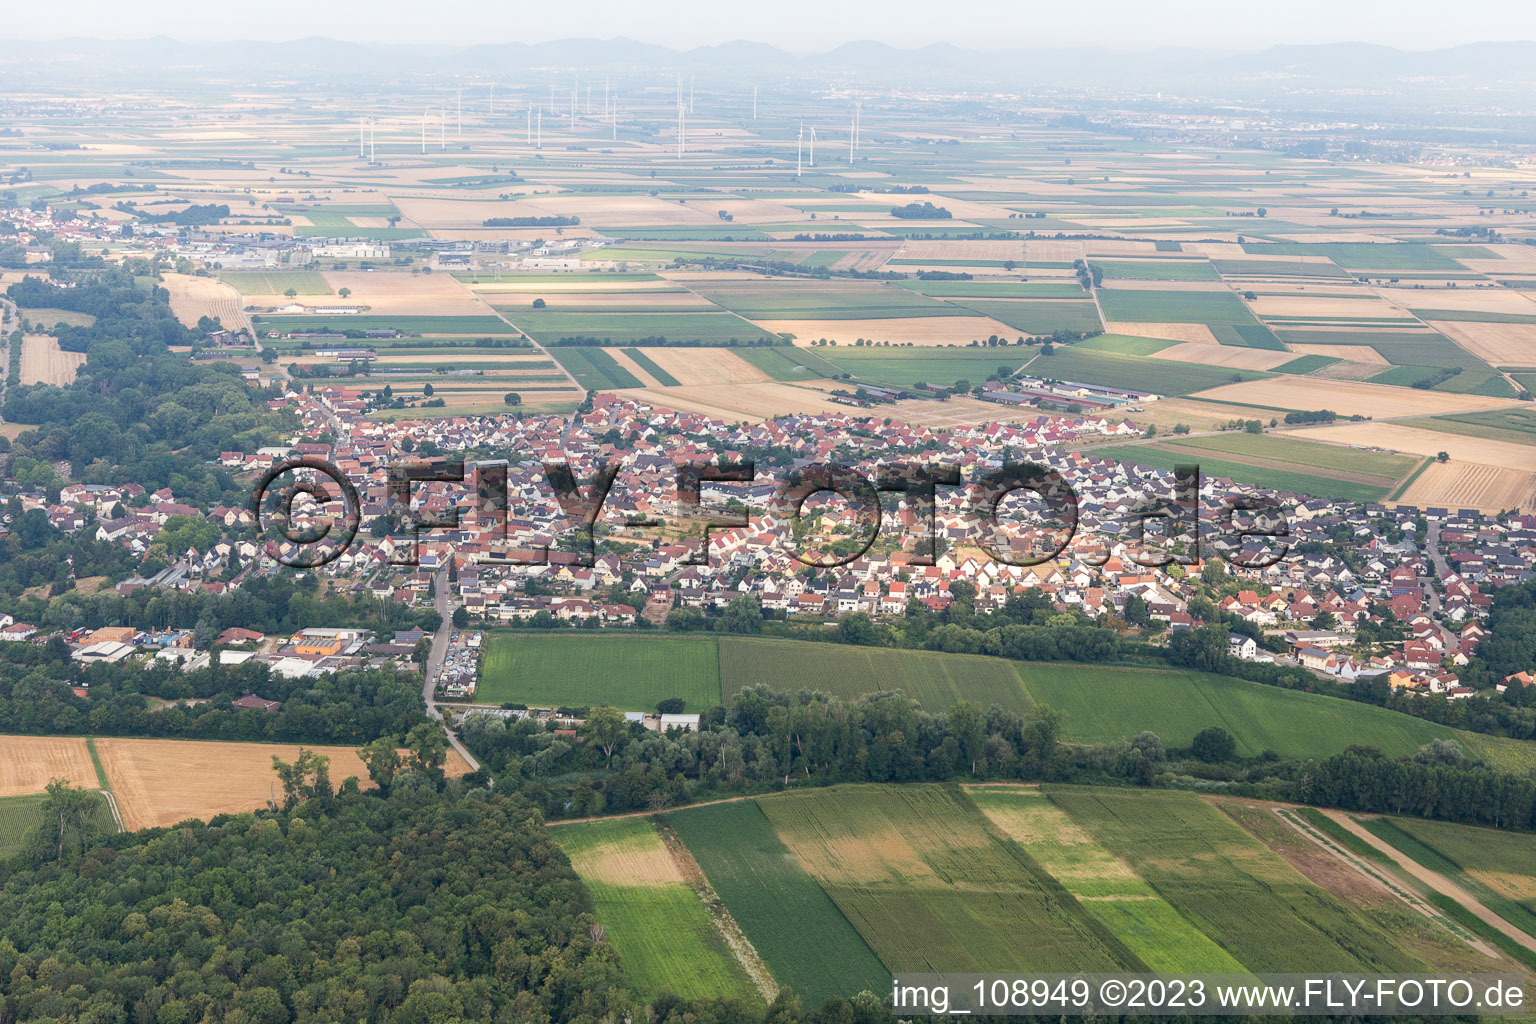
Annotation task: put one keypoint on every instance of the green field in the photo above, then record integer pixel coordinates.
(1106, 887)
(652, 916)
(1299, 480)
(1100, 703)
(1305, 364)
(786, 362)
(940, 366)
(1303, 453)
(1157, 270)
(276, 282)
(707, 328)
(1362, 255)
(648, 364)
(1174, 307)
(1122, 345)
(1103, 704)
(819, 300)
(1039, 316)
(1517, 425)
(1498, 867)
(484, 326)
(998, 289)
(932, 886)
(1475, 316)
(1159, 376)
(628, 671)
(20, 814)
(594, 369)
(1266, 268)
(1248, 900)
(934, 680)
(793, 924)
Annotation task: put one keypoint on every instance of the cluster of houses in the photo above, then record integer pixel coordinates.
(1322, 597)
(459, 674)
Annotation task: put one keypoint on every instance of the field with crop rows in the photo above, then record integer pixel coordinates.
(793, 924)
(21, 814)
(931, 886)
(651, 915)
(1253, 904)
(1104, 884)
(627, 671)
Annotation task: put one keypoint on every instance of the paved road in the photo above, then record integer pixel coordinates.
(435, 662)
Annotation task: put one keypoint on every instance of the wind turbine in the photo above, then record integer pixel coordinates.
(813, 145)
(373, 141)
(682, 128)
(614, 117)
(362, 136)
(799, 147)
(538, 131)
(853, 127)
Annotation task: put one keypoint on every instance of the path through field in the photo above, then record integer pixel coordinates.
(1361, 865)
(1434, 879)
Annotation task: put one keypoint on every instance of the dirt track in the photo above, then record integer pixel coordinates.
(1435, 880)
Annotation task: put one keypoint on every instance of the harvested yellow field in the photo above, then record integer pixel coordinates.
(43, 363)
(400, 293)
(1497, 344)
(195, 297)
(1053, 251)
(735, 403)
(705, 365)
(1127, 285)
(1196, 334)
(1348, 398)
(918, 330)
(615, 302)
(1113, 247)
(577, 283)
(1349, 353)
(1465, 485)
(1405, 437)
(1234, 356)
(641, 374)
(29, 763)
(628, 863)
(1482, 300)
(941, 249)
(1316, 305)
(161, 782)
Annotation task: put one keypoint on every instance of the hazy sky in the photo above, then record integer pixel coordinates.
(800, 25)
